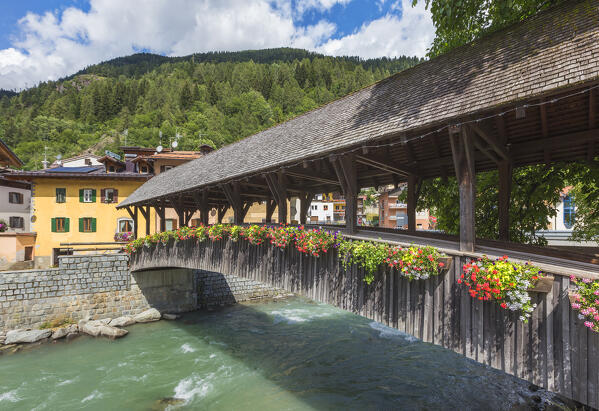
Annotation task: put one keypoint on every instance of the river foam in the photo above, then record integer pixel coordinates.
(296, 315)
(391, 333)
(10, 396)
(193, 386)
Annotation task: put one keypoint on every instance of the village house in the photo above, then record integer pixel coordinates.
(76, 204)
(16, 241)
(393, 213)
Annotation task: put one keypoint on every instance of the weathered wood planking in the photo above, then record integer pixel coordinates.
(554, 350)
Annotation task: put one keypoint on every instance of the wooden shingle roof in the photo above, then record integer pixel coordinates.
(556, 49)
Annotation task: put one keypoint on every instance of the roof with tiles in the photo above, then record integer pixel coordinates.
(555, 49)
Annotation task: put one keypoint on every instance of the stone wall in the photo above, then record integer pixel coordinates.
(222, 289)
(95, 286)
(101, 286)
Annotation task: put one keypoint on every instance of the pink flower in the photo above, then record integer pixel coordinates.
(586, 280)
(596, 292)
(572, 278)
(588, 324)
(576, 306)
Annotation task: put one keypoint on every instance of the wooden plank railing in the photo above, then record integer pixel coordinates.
(553, 350)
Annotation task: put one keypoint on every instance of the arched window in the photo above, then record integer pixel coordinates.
(125, 225)
(569, 212)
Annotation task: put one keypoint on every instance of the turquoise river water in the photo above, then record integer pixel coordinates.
(290, 354)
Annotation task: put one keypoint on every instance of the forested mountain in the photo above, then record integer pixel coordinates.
(213, 98)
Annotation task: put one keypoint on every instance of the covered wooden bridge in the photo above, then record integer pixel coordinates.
(526, 95)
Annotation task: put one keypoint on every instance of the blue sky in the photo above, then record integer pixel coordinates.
(46, 39)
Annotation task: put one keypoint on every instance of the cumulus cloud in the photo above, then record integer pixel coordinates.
(391, 35)
(51, 45)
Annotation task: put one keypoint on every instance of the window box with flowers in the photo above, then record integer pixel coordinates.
(506, 283)
(584, 297)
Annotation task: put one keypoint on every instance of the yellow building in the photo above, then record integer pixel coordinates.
(78, 205)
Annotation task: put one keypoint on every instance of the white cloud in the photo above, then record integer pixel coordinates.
(320, 5)
(51, 45)
(389, 35)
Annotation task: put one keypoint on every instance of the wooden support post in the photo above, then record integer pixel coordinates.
(221, 210)
(233, 193)
(146, 213)
(412, 179)
(505, 190)
(463, 160)
(592, 123)
(160, 212)
(201, 199)
(270, 209)
(345, 168)
(133, 215)
(305, 200)
(278, 188)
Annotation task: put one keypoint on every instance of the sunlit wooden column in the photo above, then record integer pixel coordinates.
(463, 159)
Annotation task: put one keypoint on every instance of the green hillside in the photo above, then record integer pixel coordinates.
(213, 98)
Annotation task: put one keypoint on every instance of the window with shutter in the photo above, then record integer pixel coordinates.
(87, 195)
(53, 225)
(60, 225)
(109, 195)
(87, 225)
(67, 225)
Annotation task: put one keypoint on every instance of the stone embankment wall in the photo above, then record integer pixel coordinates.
(91, 285)
(222, 289)
(101, 286)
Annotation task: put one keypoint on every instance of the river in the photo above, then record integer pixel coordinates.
(290, 354)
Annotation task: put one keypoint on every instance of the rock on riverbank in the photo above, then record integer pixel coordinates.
(106, 327)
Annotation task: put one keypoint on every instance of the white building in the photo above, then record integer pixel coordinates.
(15, 205)
(321, 210)
(83, 160)
(561, 225)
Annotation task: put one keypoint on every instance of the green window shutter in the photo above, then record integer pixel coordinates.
(81, 195)
(94, 195)
(53, 225)
(80, 224)
(93, 225)
(66, 225)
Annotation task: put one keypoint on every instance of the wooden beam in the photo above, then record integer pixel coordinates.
(232, 192)
(345, 167)
(387, 166)
(270, 209)
(412, 199)
(133, 215)
(160, 211)
(484, 150)
(201, 199)
(305, 201)
(311, 176)
(592, 123)
(545, 133)
(505, 189)
(278, 188)
(221, 210)
(486, 135)
(146, 214)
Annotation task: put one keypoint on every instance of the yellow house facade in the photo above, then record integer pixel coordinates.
(79, 206)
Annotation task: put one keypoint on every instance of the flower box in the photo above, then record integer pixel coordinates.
(544, 285)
